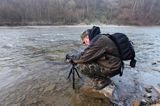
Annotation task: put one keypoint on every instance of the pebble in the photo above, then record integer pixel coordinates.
(149, 95)
(143, 102)
(157, 89)
(136, 103)
(156, 69)
(149, 89)
(154, 63)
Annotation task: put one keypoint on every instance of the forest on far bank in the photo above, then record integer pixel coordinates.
(69, 12)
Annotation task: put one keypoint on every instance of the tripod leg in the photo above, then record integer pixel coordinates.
(69, 73)
(77, 73)
(73, 78)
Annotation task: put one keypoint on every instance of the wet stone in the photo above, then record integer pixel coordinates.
(148, 95)
(107, 91)
(143, 102)
(158, 90)
(136, 103)
(91, 92)
(154, 63)
(156, 69)
(87, 100)
(104, 93)
(148, 89)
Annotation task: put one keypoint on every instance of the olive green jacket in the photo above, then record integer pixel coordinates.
(102, 51)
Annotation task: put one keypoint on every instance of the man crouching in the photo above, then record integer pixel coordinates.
(100, 60)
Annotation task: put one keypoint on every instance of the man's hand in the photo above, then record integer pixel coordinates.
(72, 62)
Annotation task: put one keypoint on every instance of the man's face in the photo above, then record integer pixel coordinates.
(86, 40)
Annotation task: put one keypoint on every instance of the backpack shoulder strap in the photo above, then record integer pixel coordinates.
(109, 36)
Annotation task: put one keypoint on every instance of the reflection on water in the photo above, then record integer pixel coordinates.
(33, 71)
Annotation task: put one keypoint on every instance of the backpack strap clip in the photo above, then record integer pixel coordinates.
(133, 62)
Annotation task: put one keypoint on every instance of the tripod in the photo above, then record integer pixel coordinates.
(72, 71)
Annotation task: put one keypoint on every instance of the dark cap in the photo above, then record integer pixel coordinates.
(91, 32)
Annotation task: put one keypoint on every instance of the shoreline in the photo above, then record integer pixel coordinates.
(74, 24)
(80, 25)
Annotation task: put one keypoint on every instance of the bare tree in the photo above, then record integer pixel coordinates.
(23, 12)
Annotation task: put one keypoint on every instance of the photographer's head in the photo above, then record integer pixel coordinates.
(89, 34)
(85, 37)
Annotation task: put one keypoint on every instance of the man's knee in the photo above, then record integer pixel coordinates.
(91, 70)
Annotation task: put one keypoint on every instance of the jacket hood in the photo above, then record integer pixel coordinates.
(93, 32)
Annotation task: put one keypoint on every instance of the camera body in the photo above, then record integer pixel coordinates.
(70, 58)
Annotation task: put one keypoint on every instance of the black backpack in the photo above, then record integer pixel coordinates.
(122, 42)
(124, 46)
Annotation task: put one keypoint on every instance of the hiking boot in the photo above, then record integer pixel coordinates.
(103, 84)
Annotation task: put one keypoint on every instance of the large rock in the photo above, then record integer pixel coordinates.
(104, 93)
(88, 96)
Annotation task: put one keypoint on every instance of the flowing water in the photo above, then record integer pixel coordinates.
(33, 71)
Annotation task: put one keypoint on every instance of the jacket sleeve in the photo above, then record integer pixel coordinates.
(92, 52)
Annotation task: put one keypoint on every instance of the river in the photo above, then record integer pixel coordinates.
(33, 71)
